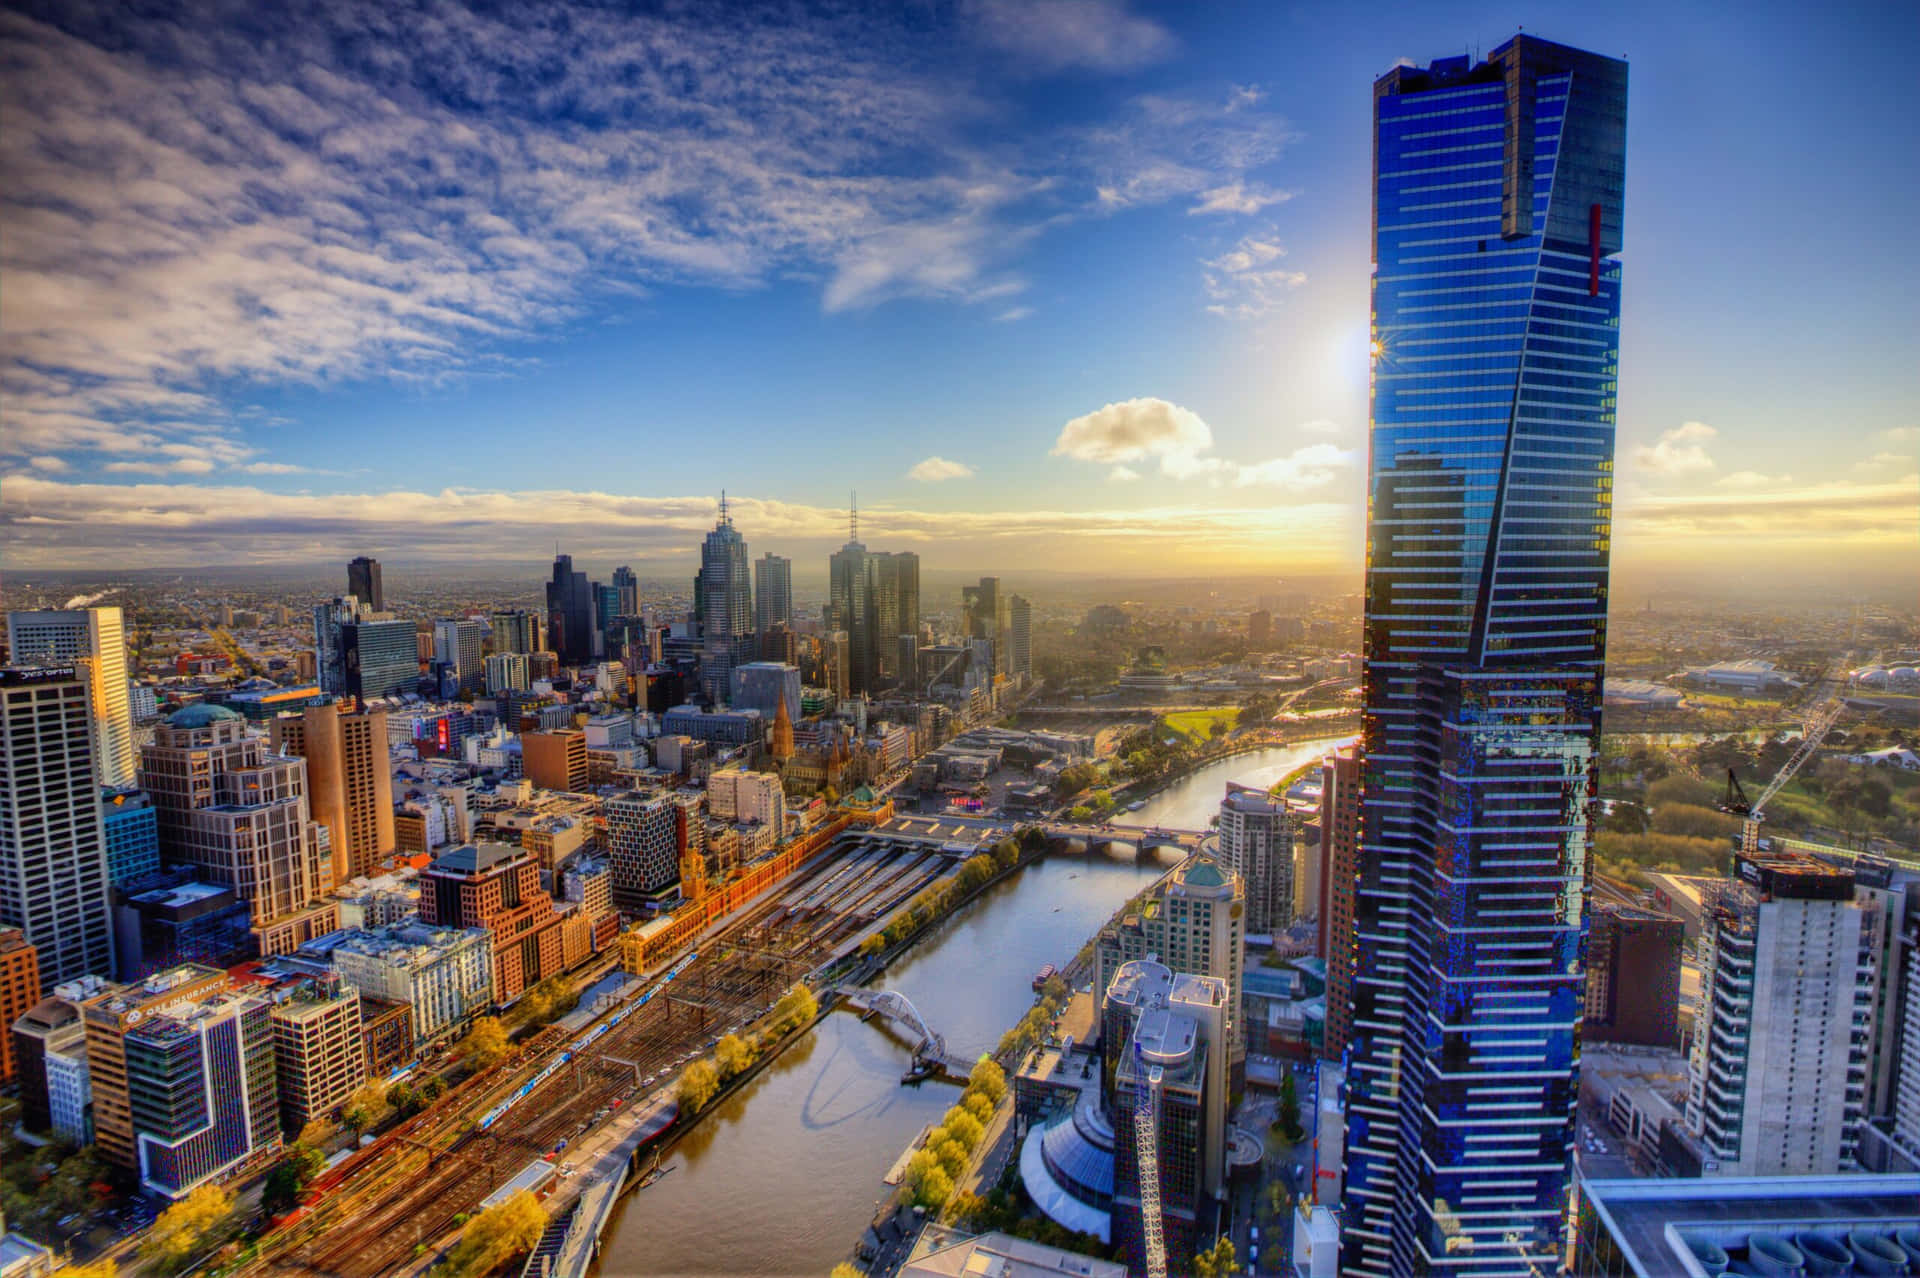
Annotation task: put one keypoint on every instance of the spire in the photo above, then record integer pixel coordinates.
(853, 518)
(724, 520)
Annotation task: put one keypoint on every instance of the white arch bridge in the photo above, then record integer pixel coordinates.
(930, 1052)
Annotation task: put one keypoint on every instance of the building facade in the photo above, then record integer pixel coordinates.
(50, 1055)
(320, 1056)
(644, 843)
(772, 593)
(443, 976)
(456, 646)
(1256, 839)
(203, 1089)
(53, 853)
(133, 834)
(1496, 307)
(19, 991)
(725, 594)
(1633, 977)
(350, 781)
(363, 583)
(1020, 637)
(763, 685)
(569, 613)
(515, 631)
(109, 1017)
(1339, 871)
(94, 642)
(496, 886)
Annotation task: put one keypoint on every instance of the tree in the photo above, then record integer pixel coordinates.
(1215, 1262)
(105, 1267)
(698, 1084)
(796, 1007)
(978, 1105)
(934, 1189)
(495, 1236)
(317, 1133)
(988, 1078)
(485, 1043)
(952, 1157)
(964, 1127)
(367, 1108)
(183, 1229)
(732, 1054)
(1289, 1107)
(846, 1270)
(281, 1192)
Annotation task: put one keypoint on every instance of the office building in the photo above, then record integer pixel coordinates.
(1256, 839)
(109, 1016)
(53, 853)
(19, 990)
(50, 1064)
(132, 832)
(986, 614)
(645, 837)
(1757, 1225)
(167, 918)
(1633, 976)
(508, 672)
(720, 727)
(241, 817)
(1020, 638)
(874, 597)
(363, 654)
(569, 613)
(496, 886)
(763, 685)
(94, 642)
(1172, 1026)
(607, 630)
(1486, 600)
(1778, 1079)
(456, 646)
(772, 593)
(363, 583)
(1339, 873)
(725, 594)
(350, 781)
(748, 797)
(442, 975)
(319, 1054)
(1900, 1043)
(626, 592)
(555, 760)
(515, 631)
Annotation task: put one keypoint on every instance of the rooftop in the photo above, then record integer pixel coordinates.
(201, 714)
(477, 858)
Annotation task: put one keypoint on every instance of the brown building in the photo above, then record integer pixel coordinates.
(496, 886)
(320, 1057)
(555, 760)
(386, 1031)
(241, 817)
(1633, 976)
(109, 1017)
(350, 780)
(410, 831)
(1339, 870)
(50, 1055)
(19, 991)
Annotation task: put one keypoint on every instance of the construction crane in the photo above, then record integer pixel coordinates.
(1146, 1140)
(1826, 711)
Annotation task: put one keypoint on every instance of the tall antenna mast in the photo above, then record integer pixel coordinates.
(723, 506)
(853, 517)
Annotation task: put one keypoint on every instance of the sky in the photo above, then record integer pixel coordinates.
(1068, 285)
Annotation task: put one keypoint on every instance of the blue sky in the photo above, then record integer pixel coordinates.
(1075, 284)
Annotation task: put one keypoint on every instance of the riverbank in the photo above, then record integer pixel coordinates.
(1134, 791)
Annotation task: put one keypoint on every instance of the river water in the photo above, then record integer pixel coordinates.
(782, 1179)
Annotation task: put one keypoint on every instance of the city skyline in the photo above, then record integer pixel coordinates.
(960, 338)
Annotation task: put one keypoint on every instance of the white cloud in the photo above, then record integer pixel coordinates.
(1123, 474)
(1057, 35)
(1680, 451)
(1013, 314)
(1901, 435)
(1239, 197)
(936, 470)
(1246, 281)
(1751, 479)
(1142, 429)
(47, 463)
(1309, 466)
(1883, 460)
(1321, 426)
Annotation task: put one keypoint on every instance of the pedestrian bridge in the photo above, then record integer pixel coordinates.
(929, 1046)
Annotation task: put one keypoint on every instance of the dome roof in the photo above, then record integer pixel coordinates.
(201, 714)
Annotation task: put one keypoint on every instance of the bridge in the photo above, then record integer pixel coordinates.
(930, 1052)
(952, 827)
(1142, 837)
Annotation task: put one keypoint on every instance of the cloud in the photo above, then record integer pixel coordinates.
(1060, 35)
(47, 463)
(1246, 281)
(1680, 451)
(1321, 426)
(1013, 314)
(935, 470)
(1239, 197)
(1141, 429)
(1883, 460)
(1751, 479)
(1834, 514)
(1901, 435)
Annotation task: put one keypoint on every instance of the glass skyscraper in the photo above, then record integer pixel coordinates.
(724, 593)
(1496, 307)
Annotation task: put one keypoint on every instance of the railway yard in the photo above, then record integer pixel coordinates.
(404, 1193)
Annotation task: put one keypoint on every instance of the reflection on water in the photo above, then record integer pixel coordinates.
(785, 1176)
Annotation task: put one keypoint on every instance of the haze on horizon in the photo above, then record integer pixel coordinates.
(1075, 286)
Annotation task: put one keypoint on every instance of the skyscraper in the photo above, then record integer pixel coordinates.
(1256, 838)
(1496, 306)
(363, 583)
(874, 596)
(53, 850)
(987, 615)
(1020, 639)
(358, 653)
(349, 781)
(772, 592)
(93, 639)
(726, 606)
(569, 613)
(516, 631)
(626, 589)
(456, 645)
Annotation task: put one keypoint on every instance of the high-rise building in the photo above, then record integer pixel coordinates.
(1779, 1073)
(626, 592)
(19, 991)
(456, 646)
(608, 633)
(50, 1057)
(569, 613)
(644, 840)
(363, 583)
(443, 976)
(986, 613)
(1633, 976)
(555, 760)
(241, 817)
(515, 631)
(320, 1058)
(349, 779)
(848, 610)
(94, 641)
(1020, 637)
(508, 672)
(170, 918)
(726, 607)
(53, 848)
(874, 596)
(204, 1090)
(1256, 838)
(132, 832)
(110, 1016)
(362, 654)
(1497, 213)
(763, 685)
(496, 886)
(1902, 1045)
(772, 593)
(1339, 874)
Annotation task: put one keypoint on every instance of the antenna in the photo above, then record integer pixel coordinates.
(723, 507)
(853, 517)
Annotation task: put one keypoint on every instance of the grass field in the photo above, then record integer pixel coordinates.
(1197, 725)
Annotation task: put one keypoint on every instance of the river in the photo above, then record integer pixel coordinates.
(782, 1179)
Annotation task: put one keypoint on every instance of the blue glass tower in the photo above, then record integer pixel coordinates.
(1496, 307)
(133, 834)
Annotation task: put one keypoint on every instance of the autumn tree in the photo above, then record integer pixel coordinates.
(367, 1107)
(485, 1043)
(184, 1229)
(495, 1236)
(732, 1054)
(988, 1079)
(1216, 1261)
(698, 1084)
